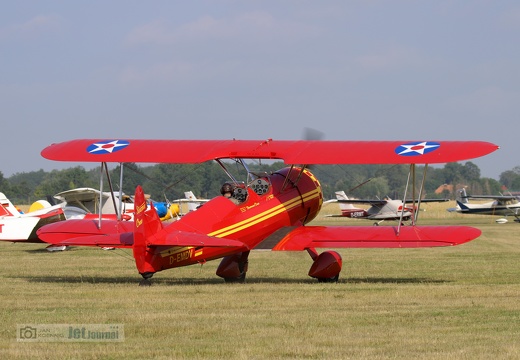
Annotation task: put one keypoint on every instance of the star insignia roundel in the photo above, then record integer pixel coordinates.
(417, 148)
(107, 147)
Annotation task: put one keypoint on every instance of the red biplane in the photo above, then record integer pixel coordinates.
(266, 211)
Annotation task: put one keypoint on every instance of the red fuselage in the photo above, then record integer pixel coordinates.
(354, 213)
(293, 198)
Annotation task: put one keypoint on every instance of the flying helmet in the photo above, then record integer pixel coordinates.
(227, 187)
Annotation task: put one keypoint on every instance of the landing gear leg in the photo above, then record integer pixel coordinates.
(146, 280)
(233, 268)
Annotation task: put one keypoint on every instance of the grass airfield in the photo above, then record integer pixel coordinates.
(433, 303)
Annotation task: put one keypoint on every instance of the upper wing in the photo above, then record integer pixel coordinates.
(292, 152)
(305, 237)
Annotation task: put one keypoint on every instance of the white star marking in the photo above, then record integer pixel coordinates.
(107, 146)
(417, 148)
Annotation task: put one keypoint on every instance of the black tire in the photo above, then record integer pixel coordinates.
(238, 280)
(333, 279)
(145, 282)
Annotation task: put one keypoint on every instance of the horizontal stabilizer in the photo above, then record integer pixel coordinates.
(123, 240)
(64, 232)
(376, 237)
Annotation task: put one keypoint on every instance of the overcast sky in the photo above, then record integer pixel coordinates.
(355, 70)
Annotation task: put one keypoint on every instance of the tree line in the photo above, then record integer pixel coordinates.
(170, 181)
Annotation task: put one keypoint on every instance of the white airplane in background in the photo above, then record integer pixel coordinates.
(16, 226)
(193, 202)
(380, 210)
(85, 202)
(502, 205)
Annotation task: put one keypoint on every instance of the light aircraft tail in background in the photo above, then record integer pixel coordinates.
(502, 205)
(192, 201)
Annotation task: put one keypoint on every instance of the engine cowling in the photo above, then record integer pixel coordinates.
(326, 267)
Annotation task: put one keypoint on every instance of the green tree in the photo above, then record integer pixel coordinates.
(57, 181)
(375, 188)
(511, 178)
(21, 193)
(4, 184)
(471, 172)
(396, 176)
(489, 186)
(453, 173)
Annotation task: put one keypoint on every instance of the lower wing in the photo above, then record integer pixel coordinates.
(174, 239)
(306, 237)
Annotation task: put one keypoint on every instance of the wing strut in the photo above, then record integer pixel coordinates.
(420, 192)
(300, 175)
(286, 180)
(120, 212)
(103, 164)
(415, 213)
(412, 169)
(111, 190)
(226, 171)
(288, 176)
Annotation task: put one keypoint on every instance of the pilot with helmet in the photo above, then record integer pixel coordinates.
(227, 190)
(233, 192)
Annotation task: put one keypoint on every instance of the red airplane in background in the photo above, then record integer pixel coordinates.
(265, 211)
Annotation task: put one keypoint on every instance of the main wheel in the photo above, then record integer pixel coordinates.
(145, 282)
(329, 280)
(241, 279)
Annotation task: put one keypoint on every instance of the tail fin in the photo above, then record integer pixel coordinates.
(193, 202)
(462, 205)
(7, 207)
(463, 196)
(146, 224)
(340, 195)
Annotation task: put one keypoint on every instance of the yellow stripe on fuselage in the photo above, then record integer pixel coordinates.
(288, 205)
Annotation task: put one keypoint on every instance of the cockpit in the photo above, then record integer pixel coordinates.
(238, 192)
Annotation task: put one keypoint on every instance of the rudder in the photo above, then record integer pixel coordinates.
(146, 224)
